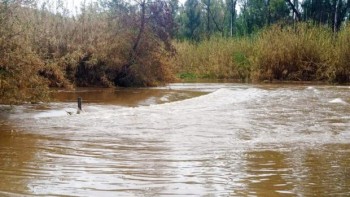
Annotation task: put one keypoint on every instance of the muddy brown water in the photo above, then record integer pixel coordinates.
(180, 140)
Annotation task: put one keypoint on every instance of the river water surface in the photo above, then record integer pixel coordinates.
(180, 140)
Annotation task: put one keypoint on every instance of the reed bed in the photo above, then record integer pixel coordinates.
(293, 53)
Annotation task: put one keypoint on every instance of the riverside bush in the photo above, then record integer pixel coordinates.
(41, 49)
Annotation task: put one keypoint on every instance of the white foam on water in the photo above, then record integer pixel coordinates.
(164, 98)
(228, 115)
(338, 101)
(55, 113)
(197, 113)
(311, 88)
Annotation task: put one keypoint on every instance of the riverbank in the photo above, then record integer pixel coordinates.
(293, 53)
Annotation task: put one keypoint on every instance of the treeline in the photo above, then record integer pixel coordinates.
(146, 43)
(199, 19)
(264, 40)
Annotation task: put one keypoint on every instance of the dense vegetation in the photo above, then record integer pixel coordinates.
(300, 53)
(146, 43)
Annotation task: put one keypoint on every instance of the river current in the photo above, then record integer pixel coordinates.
(185, 139)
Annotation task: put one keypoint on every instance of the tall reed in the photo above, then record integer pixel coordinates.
(299, 53)
(339, 71)
(285, 53)
(219, 58)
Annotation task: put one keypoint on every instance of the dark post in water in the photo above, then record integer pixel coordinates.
(79, 104)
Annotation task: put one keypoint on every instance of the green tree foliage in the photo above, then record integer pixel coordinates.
(253, 13)
(256, 14)
(231, 4)
(278, 11)
(218, 16)
(200, 19)
(174, 8)
(191, 19)
(329, 12)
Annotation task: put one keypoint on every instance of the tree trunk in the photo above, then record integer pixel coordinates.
(233, 13)
(335, 27)
(142, 28)
(268, 12)
(221, 29)
(296, 12)
(208, 18)
(124, 78)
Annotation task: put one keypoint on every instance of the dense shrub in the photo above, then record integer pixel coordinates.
(19, 64)
(40, 49)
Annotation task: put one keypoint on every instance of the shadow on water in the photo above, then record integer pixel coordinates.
(124, 96)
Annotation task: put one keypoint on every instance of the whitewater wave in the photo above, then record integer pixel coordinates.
(230, 115)
(338, 101)
(220, 97)
(311, 88)
(215, 99)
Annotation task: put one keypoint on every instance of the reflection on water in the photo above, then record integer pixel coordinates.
(16, 151)
(125, 97)
(311, 172)
(266, 174)
(184, 139)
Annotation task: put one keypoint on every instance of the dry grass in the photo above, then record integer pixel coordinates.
(218, 58)
(300, 53)
(339, 71)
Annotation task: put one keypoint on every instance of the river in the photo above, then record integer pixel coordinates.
(185, 139)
